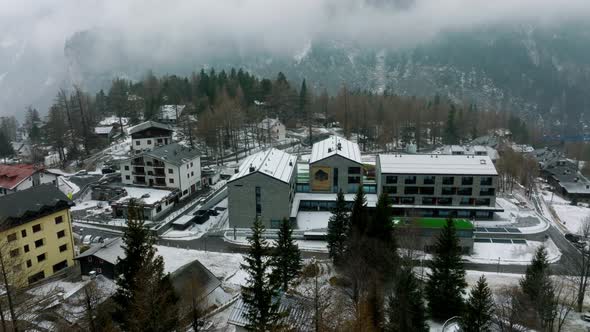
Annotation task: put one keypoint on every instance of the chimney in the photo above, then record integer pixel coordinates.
(252, 168)
(329, 150)
(236, 171)
(290, 163)
(339, 146)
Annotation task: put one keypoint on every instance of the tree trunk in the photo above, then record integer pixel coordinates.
(8, 293)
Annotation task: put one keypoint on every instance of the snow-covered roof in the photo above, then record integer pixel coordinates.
(268, 123)
(149, 124)
(468, 150)
(146, 195)
(168, 112)
(274, 163)
(298, 311)
(335, 145)
(111, 120)
(103, 130)
(436, 164)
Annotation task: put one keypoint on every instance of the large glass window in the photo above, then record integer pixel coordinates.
(448, 191)
(486, 181)
(391, 179)
(487, 192)
(258, 202)
(482, 201)
(407, 200)
(464, 191)
(428, 200)
(410, 190)
(429, 179)
(467, 180)
(449, 180)
(354, 170)
(390, 190)
(410, 180)
(426, 190)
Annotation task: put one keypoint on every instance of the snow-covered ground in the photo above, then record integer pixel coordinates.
(313, 220)
(571, 216)
(148, 195)
(501, 253)
(195, 231)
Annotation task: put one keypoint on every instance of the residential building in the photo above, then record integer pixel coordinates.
(272, 128)
(185, 270)
(23, 176)
(36, 233)
(148, 135)
(154, 203)
(168, 166)
(169, 113)
(469, 150)
(439, 185)
(335, 164)
(563, 175)
(104, 132)
(262, 187)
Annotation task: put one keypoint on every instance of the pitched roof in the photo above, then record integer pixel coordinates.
(149, 124)
(272, 162)
(12, 175)
(174, 153)
(298, 311)
(195, 272)
(335, 145)
(436, 164)
(103, 130)
(268, 123)
(24, 205)
(108, 251)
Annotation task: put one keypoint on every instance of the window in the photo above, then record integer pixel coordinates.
(390, 190)
(36, 228)
(61, 234)
(188, 175)
(39, 243)
(149, 141)
(171, 180)
(192, 173)
(36, 277)
(390, 179)
(170, 171)
(335, 180)
(11, 237)
(354, 179)
(466, 201)
(410, 190)
(258, 202)
(127, 177)
(429, 179)
(482, 201)
(354, 170)
(487, 192)
(41, 258)
(486, 181)
(14, 252)
(464, 191)
(126, 167)
(426, 190)
(29, 263)
(428, 200)
(410, 180)
(191, 164)
(23, 233)
(60, 266)
(59, 220)
(448, 180)
(136, 142)
(159, 140)
(448, 191)
(407, 200)
(467, 180)
(26, 248)
(445, 201)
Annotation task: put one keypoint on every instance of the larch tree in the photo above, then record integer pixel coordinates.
(286, 258)
(479, 308)
(446, 281)
(260, 294)
(338, 228)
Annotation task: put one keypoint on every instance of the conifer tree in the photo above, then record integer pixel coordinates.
(287, 257)
(446, 282)
(380, 225)
(536, 285)
(478, 308)
(338, 229)
(405, 307)
(358, 214)
(145, 299)
(260, 294)
(6, 149)
(450, 135)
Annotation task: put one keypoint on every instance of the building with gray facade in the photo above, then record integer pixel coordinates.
(439, 185)
(262, 187)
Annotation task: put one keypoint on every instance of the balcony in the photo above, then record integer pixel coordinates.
(138, 161)
(138, 171)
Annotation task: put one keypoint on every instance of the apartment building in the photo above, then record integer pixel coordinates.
(439, 185)
(335, 164)
(148, 135)
(168, 166)
(262, 187)
(36, 233)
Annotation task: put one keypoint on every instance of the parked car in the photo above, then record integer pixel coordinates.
(586, 316)
(213, 212)
(201, 216)
(572, 237)
(220, 208)
(108, 170)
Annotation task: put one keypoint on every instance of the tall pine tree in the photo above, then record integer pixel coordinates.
(260, 294)
(6, 149)
(338, 228)
(405, 306)
(479, 308)
(538, 289)
(286, 258)
(358, 214)
(145, 299)
(446, 283)
(380, 225)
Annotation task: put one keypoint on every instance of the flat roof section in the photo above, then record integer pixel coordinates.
(462, 224)
(436, 164)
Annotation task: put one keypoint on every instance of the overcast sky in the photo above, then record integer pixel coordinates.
(34, 31)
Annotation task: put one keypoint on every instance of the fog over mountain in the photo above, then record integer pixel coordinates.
(47, 44)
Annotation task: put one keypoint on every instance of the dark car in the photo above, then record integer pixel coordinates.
(572, 237)
(108, 170)
(213, 212)
(201, 216)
